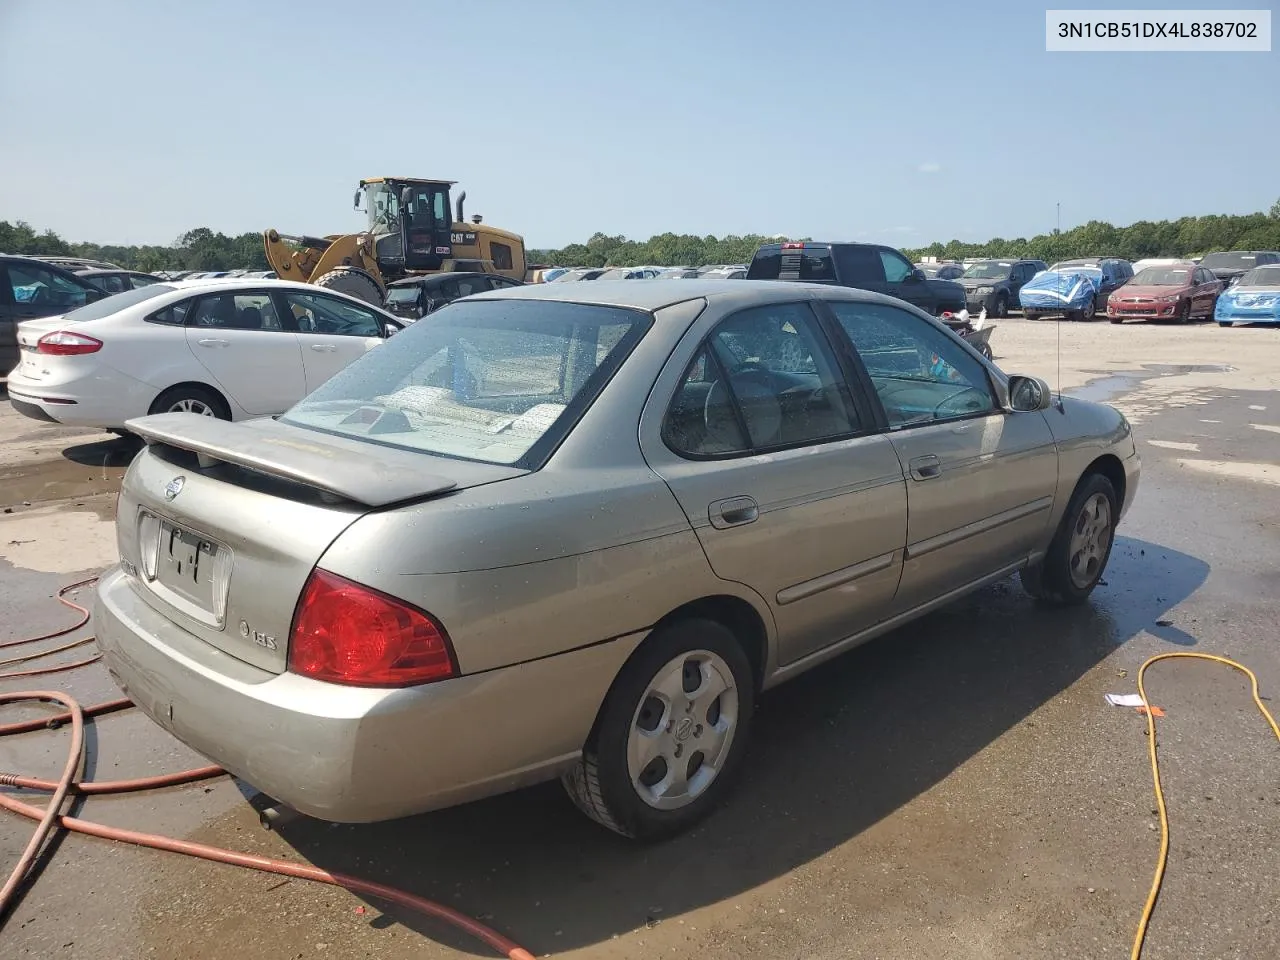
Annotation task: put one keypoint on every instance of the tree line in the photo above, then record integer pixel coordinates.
(199, 249)
(203, 249)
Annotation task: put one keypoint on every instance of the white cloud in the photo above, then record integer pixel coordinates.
(931, 166)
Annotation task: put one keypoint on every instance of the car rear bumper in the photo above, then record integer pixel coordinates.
(102, 398)
(353, 754)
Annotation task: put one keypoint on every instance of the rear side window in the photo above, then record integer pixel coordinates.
(859, 266)
(174, 315)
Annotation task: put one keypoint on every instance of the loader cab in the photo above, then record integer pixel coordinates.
(411, 222)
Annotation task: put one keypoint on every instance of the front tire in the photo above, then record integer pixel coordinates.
(670, 734)
(1002, 307)
(1080, 549)
(1030, 315)
(354, 282)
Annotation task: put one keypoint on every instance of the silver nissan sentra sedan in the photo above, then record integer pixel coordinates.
(573, 530)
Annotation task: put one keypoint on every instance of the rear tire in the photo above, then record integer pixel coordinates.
(667, 732)
(1078, 554)
(1223, 323)
(192, 398)
(354, 282)
(1030, 315)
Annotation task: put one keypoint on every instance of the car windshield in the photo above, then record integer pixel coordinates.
(117, 302)
(1229, 261)
(1268, 276)
(486, 380)
(1162, 277)
(995, 270)
(403, 294)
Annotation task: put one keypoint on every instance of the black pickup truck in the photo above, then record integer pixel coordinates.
(867, 266)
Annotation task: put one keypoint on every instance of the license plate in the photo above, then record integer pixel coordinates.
(193, 570)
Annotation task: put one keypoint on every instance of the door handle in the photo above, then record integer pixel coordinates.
(733, 512)
(926, 467)
(323, 347)
(212, 342)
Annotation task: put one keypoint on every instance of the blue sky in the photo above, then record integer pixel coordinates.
(134, 121)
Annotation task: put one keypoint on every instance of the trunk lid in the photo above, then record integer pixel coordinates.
(221, 523)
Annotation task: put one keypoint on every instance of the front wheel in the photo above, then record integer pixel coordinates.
(1223, 323)
(1079, 551)
(1030, 315)
(1002, 307)
(670, 734)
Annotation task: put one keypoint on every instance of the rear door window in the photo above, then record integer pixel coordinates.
(766, 377)
(859, 266)
(237, 311)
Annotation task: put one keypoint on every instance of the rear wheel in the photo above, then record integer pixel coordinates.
(1223, 323)
(191, 398)
(670, 734)
(1078, 554)
(354, 282)
(1030, 315)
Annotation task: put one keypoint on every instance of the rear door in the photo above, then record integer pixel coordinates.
(332, 332)
(252, 357)
(860, 266)
(981, 481)
(775, 460)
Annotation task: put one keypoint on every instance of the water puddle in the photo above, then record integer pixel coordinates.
(1110, 385)
(27, 484)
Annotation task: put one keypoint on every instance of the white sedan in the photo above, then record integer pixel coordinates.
(234, 349)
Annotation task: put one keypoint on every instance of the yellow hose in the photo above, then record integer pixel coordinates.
(1163, 860)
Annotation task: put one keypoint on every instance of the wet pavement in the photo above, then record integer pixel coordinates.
(958, 789)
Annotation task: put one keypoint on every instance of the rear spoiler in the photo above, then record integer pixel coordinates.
(363, 473)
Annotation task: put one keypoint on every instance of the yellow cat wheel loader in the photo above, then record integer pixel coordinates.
(411, 230)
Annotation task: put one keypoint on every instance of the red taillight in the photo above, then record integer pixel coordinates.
(793, 246)
(64, 343)
(347, 633)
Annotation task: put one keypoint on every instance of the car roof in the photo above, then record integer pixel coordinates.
(651, 295)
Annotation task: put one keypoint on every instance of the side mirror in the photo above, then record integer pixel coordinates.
(1029, 394)
(915, 276)
(355, 201)
(391, 328)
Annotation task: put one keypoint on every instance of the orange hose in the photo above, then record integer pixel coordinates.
(69, 783)
(47, 818)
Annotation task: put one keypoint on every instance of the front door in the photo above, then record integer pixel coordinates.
(902, 281)
(253, 359)
(761, 440)
(981, 481)
(332, 333)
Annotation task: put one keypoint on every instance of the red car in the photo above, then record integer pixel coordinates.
(1175, 291)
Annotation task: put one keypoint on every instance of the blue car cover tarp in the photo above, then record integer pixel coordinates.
(1060, 290)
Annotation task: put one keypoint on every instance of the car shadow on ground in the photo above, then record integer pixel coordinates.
(110, 451)
(833, 752)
